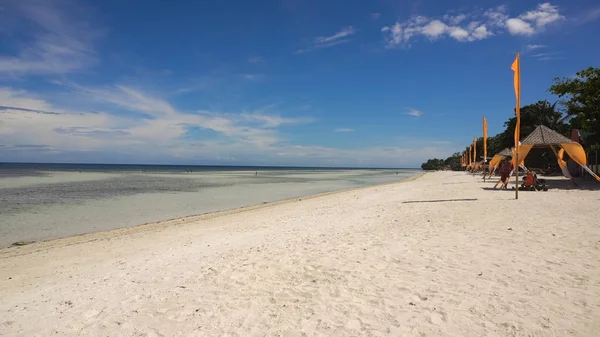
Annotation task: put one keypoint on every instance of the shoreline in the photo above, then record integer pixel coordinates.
(28, 248)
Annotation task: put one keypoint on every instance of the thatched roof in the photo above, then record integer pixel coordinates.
(542, 135)
(506, 153)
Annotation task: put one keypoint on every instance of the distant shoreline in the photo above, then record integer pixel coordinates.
(124, 167)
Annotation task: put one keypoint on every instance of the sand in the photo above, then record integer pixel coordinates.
(376, 261)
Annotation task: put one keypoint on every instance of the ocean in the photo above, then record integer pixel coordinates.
(47, 201)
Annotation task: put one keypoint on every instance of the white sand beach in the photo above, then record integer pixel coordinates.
(391, 260)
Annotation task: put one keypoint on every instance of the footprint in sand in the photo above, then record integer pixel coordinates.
(437, 318)
(92, 314)
(354, 324)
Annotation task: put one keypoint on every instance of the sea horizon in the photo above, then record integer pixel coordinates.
(54, 166)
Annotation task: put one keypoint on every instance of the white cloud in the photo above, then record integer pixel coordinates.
(434, 29)
(496, 16)
(163, 136)
(21, 100)
(532, 22)
(414, 112)
(455, 19)
(129, 99)
(347, 31)
(402, 33)
(535, 46)
(545, 14)
(395, 36)
(60, 40)
(549, 56)
(458, 33)
(22, 123)
(343, 130)
(330, 41)
(273, 121)
(480, 33)
(469, 27)
(519, 27)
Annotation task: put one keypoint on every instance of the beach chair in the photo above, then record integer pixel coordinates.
(532, 183)
(541, 185)
(528, 182)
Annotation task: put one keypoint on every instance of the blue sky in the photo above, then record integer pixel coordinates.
(377, 83)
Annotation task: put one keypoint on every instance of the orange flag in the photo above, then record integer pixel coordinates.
(485, 136)
(470, 152)
(474, 149)
(516, 67)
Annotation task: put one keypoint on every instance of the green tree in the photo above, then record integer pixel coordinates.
(494, 145)
(532, 116)
(433, 164)
(581, 99)
(453, 161)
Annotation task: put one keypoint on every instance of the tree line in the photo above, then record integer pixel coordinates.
(578, 106)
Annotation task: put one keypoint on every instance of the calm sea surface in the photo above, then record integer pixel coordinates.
(46, 201)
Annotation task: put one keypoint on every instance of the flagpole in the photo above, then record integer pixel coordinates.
(484, 148)
(518, 126)
(517, 177)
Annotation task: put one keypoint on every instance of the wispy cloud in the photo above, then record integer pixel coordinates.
(472, 26)
(329, 41)
(589, 15)
(530, 47)
(21, 100)
(347, 31)
(343, 130)
(252, 77)
(414, 112)
(375, 16)
(60, 40)
(549, 56)
(160, 123)
(273, 121)
(165, 134)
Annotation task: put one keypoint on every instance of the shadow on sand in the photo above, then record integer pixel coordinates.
(565, 184)
(441, 200)
(557, 183)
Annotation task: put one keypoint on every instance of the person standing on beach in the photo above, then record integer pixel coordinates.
(505, 172)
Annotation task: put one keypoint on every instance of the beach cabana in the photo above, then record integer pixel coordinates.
(495, 162)
(497, 158)
(543, 136)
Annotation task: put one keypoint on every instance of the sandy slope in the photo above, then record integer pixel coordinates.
(354, 263)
